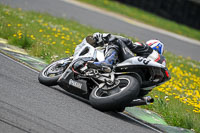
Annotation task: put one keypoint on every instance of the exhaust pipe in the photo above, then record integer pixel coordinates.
(141, 101)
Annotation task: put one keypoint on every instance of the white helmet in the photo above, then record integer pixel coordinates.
(156, 45)
(101, 38)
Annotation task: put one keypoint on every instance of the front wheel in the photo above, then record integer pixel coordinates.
(113, 99)
(50, 74)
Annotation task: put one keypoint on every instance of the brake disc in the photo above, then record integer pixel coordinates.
(110, 87)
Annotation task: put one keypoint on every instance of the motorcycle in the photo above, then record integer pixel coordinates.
(125, 85)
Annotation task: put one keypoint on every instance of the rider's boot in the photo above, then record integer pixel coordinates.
(109, 61)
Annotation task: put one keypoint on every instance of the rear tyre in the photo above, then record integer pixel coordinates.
(116, 98)
(50, 74)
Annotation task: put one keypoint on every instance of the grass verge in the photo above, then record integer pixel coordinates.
(51, 38)
(41, 34)
(145, 17)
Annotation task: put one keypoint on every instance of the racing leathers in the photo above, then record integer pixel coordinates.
(118, 49)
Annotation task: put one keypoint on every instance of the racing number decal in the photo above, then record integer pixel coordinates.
(144, 60)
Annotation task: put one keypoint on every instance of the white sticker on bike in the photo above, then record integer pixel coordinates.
(75, 84)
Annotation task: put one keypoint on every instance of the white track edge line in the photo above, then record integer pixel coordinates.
(18, 62)
(142, 123)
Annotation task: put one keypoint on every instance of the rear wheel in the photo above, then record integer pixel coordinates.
(50, 74)
(116, 98)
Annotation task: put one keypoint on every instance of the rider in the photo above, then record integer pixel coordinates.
(152, 49)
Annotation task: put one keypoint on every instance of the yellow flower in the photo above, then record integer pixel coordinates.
(156, 96)
(45, 24)
(32, 37)
(54, 29)
(177, 97)
(39, 21)
(67, 52)
(167, 99)
(7, 13)
(56, 35)
(19, 33)
(195, 111)
(40, 30)
(53, 42)
(14, 35)
(66, 29)
(19, 25)
(9, 25)
(62, 42)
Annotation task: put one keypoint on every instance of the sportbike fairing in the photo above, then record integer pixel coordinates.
(134, 61)
(84, 49)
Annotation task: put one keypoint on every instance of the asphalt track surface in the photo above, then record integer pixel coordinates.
(107, 23)
(28, 106)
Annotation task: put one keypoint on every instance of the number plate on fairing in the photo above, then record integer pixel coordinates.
(140, 61)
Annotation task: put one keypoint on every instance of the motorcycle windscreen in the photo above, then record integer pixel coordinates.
(84, 50)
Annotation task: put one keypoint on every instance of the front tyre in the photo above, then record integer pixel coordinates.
(116, 98)
(50, 74)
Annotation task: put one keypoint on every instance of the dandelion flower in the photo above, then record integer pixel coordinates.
(67, 52)
(19, 33)
(156, 96)
(19, 25)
